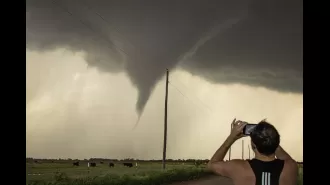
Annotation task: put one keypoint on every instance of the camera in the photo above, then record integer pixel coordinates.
(248, 128)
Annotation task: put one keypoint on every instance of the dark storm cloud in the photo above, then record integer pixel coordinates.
(256, 42)
(263, 50)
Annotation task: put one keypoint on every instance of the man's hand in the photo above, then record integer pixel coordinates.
(216, 164)
(237, 129)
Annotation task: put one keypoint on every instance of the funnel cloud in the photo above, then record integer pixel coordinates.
(251, 42)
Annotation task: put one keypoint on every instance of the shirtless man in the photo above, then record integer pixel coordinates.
(271, 165)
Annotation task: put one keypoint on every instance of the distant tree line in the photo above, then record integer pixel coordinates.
(29, 160)
(196, 161)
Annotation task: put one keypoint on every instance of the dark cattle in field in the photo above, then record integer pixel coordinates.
(101, 162)
(76, 163)
(111, 165)
(128, 164)
(93, 164)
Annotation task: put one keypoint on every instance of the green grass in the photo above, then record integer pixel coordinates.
(300, 175)
(156, 177)
(48, 170)
(145, 174)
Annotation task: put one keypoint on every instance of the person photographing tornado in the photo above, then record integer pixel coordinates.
(271, 165)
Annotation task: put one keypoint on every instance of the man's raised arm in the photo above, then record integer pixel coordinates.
(222, 151)
(216, 164)
(280, 153)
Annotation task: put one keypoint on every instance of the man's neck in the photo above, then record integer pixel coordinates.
(264, 157)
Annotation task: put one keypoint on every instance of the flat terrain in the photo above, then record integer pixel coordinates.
(46, 171)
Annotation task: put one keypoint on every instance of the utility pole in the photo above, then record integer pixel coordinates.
(249, 152)
(231, 127)
(165, 120)
(242, 149)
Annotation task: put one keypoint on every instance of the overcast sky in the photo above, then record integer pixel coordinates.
(94, 67)
(75, 111)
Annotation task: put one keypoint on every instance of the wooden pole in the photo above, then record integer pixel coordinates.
(165, 119)
(231, 127)
(242, 149)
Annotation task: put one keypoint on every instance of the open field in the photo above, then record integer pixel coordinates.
(62, 173)
(46, 171)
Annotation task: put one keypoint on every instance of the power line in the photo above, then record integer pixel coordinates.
(178, 90)
(71, 14)
(182, 93)
(107, 22)
(194, 95)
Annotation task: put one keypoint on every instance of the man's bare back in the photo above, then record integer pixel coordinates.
(271, 165)
(244, 175)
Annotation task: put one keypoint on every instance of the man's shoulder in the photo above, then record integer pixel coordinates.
(290, 164)
(290, 172)
(240, 168)
(239, 163)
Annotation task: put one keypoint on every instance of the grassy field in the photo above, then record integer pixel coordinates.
(102, 174)
(46, 171)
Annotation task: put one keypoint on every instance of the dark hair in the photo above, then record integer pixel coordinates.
(265, 137)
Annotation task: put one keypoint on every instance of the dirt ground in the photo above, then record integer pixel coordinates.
(211, 180)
